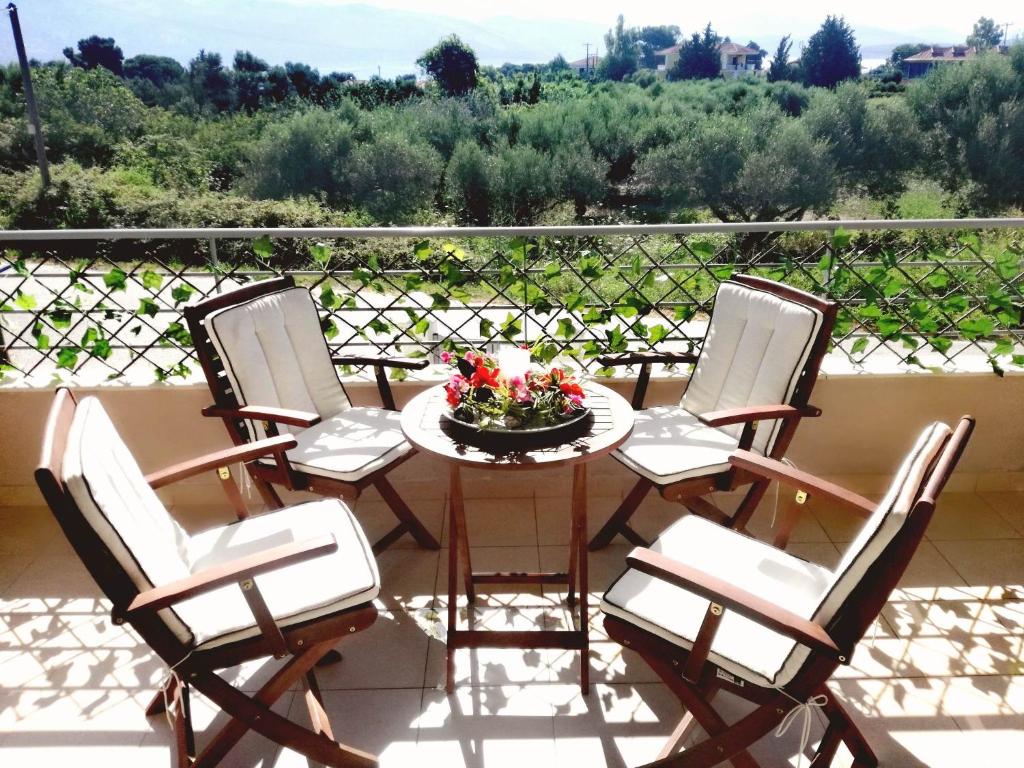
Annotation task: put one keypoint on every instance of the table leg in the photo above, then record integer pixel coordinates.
(579, 518)
(458, 553)
(459, 510)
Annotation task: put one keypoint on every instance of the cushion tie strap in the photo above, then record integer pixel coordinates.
(806, 709)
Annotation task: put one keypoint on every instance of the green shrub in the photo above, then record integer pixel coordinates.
(467, 184)
(393, 176)
(305, 155)
(522, 185)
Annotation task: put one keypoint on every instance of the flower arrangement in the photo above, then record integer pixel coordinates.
(482, 394)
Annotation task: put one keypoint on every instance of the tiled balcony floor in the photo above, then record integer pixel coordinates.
(940, 683)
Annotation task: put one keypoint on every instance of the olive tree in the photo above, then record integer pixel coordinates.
(452, 64)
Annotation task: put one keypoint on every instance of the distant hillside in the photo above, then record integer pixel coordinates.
(353, 38)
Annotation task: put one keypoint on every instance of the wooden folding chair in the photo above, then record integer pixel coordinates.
(709, 608)
(270, 370)
(749, 390)
(288, 584)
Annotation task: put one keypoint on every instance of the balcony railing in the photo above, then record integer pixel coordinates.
(101, 304)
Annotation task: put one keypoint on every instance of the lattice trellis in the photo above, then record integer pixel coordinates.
(927, 299)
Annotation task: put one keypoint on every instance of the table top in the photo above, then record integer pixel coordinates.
(608, 427)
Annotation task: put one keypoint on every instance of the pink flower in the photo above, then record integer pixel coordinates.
(446, 357)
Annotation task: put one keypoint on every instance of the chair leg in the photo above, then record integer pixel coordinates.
(256, 714)
(618, 522)
(407, 521)
(749, 505)
(849, 733)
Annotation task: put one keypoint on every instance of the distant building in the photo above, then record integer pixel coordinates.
(737, 60)
(585, 65)
(921, 63)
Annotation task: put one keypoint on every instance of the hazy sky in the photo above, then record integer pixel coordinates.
(748, 15)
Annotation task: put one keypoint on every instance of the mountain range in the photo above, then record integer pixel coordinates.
(357, 38)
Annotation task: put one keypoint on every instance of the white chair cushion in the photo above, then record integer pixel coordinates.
(755, 348)
(349, 445)
(743, 647)
(669, 444)
(294, 594)
(275, 354)
(116, 501)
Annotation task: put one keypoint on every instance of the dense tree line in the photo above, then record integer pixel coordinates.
(145, 140)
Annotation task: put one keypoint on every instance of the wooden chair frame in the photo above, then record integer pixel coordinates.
(307, 644)
(690, 492)
(234, 415)
(695, 679)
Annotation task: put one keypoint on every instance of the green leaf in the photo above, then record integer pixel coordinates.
(263, 247)
(1007, 265)
(566, 329)
(25, 300)
(328, 299)
(321, 253)
(152, 280)
(616, 340)
(859, 345)
(939, 343)
(178, 333)
(363, 275)
(825, 262)
(42, 340)
(553, 270)
(439, 301)
(658, 333)
(594, 315)
(684, 313)
(889, 326)
(421, 327)
(590, 267)
(511, 327)
(1002, 347)
(453, 250)
(572, 301)
(60, 318)
(841, 239)
(486, 327)
(181, 294)
(101, 349)
(379, 326)
(976, 327)
(116, 279)
(1017, 360)
(702, 250)
(147, 307)
(413, 282)
(937, 281)
(329, 328)
(723, 272)
(67, 357)
(451, 273)
(422, 250)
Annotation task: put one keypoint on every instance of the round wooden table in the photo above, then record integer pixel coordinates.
(610, 424)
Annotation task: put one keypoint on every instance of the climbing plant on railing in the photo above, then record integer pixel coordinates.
(923, 299)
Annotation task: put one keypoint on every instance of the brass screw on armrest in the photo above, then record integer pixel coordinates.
(223, 473)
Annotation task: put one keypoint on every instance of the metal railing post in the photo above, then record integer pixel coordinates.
(34, 125)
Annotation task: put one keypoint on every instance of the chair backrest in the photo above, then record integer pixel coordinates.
(263, 345)
(763, 346)
(877, 558)
(114, 520)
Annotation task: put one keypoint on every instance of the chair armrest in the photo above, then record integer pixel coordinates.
(264, 413)
(732, 597)
(771, 469)
(634, 358)
(406, 363)
(751, 413)
(233, 571)
(271, 446)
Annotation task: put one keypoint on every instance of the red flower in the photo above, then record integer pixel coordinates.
(571, 388)
(484, 377)
(453, 396)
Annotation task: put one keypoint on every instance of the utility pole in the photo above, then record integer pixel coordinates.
(586, 61)
(34, 125)
(1006, 30)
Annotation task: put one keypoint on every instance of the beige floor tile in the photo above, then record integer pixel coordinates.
(500, 522)
(928, 569)
(1010, 506)
(955, 619)
(495, 666)
(961, 516)
(392, 653)
(616, 725)
(408, 577)
(11, 567)
(53, 576)
(382, 722)
(888, 657)
(495, 559)
(492, 725)
(603, 567)
(554, 516)
(986, 563)
(377, 519)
